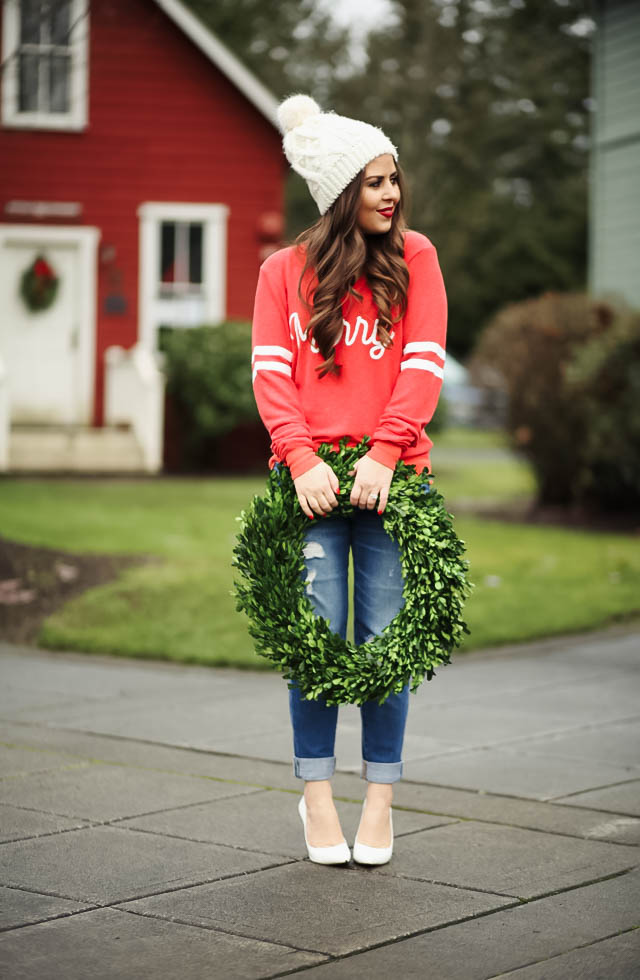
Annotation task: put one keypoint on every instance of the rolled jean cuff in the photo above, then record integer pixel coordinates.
(314, 768)
(381, 772)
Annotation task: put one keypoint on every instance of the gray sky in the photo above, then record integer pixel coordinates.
(360, 15)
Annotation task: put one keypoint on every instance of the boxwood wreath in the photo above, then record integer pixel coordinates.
(39, 285)
(286, 630)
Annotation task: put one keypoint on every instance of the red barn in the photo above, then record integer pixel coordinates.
(141, 168)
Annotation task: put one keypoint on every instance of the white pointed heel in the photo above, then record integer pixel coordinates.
(365, 854)
(334, 854)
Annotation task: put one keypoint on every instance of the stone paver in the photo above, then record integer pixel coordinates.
(525, 774)
(19, 908)
(505, 940)
(106, 864)
(624, 798)
(616, 958)
(529, 814)
(100, 792)
(580, 701)
(150, 756)
(18, 759)
(18, 823)
(329, 910)
(107, 944)
(148, 823)
(506, 860)
(620, 742)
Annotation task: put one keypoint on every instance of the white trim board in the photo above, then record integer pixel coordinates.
(222, 58)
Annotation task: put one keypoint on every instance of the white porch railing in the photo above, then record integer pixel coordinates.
(134, 396)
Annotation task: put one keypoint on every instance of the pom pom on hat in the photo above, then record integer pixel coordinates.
(295, 110)
(326, 149)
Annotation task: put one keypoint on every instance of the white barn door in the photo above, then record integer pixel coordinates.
(48, 355)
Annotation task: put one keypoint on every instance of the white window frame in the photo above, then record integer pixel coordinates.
(151, 309)
(76, 118)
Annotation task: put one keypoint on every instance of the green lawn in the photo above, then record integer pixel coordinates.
(530, 581)
(459, 437)
(496, 482)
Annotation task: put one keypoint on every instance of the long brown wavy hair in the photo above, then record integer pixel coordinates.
(337, 254)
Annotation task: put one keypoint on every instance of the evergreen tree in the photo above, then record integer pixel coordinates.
(488, 103)
(290, 45)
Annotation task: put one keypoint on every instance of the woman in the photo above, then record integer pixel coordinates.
(348, 340)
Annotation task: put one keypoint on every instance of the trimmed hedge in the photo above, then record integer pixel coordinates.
(208, 372)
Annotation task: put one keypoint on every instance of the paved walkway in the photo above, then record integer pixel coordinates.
(149, 825)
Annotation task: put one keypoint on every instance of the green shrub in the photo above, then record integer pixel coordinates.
(606, 376)
(208, 372)
(569, 367)
(440, 419)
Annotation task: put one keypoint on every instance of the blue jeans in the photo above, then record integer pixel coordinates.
(377, 599)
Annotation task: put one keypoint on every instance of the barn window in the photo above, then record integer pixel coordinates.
(45, 57)
(180, 257)
(183, 265)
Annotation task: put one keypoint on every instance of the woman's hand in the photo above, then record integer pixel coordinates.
(372, 483)
(317, 489)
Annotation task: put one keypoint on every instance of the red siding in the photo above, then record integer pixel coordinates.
(164, 125)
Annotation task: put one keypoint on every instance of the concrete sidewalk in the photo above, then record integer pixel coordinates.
(149, 825)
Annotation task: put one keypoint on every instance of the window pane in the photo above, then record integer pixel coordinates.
(59, 69)
(195, 253)
(182, 257)
(60, 21)
(30, 19)
(28, 82)
(167, 251)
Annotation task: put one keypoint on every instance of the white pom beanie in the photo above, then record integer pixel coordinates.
(326, 149)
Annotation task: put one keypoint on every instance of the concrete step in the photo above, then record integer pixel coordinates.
(73, 449)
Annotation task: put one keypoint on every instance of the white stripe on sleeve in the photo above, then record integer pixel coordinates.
(420, 365)
(273, 351)
(426, 346)
(271, 366)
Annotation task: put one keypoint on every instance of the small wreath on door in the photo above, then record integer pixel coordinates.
(39, 285)
(268, 556)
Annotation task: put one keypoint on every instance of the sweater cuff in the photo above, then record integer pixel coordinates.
(300, 460)
(386, 453)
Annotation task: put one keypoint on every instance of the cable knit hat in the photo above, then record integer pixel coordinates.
(326, 149)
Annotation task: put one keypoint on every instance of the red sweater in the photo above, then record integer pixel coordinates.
(388, 394)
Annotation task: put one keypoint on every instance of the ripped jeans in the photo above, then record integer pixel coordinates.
(377, 600)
